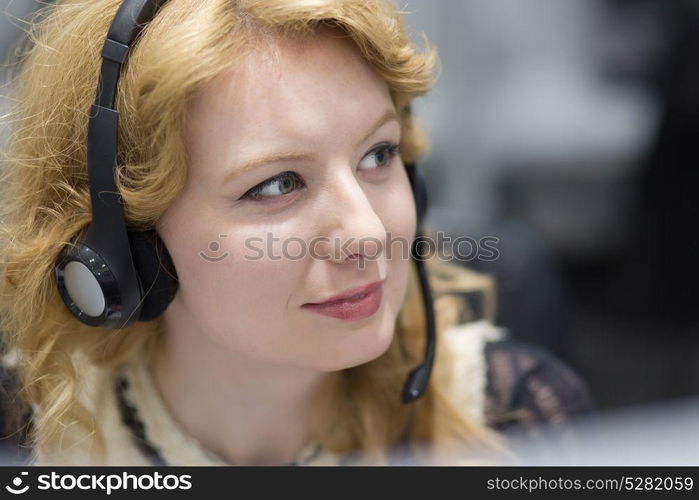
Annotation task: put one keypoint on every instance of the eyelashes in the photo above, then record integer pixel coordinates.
(287, 182)
(281, 182)
(383, 154)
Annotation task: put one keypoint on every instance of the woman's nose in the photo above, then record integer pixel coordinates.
(351, 228)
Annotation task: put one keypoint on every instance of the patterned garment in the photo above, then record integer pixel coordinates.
(511, 386)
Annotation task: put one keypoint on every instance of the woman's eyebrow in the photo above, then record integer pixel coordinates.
(291, 156)
(388, 116)
(284, 157)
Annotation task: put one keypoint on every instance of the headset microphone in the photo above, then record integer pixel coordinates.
(417, 380)
(111, 277)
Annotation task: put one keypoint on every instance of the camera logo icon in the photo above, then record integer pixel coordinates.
(17, 483)
(214, 247)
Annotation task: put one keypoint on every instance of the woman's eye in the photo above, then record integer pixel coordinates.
(277, 186)
(286, 182)
(380, 156)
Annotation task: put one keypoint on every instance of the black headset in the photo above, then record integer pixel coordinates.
(111, 277)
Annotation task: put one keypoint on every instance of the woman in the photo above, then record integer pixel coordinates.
(248, 130)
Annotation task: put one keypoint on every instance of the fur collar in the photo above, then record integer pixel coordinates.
(467, 384)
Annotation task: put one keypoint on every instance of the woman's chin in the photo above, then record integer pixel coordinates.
(362, 350)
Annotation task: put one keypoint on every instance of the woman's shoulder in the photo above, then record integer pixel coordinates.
(15, 420)
(512, 384)
(527, 385)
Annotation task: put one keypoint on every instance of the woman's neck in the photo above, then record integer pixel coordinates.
(245, 411)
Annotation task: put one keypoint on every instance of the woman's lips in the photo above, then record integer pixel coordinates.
(351, 309)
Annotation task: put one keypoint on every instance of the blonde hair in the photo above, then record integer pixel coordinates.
(46, 201)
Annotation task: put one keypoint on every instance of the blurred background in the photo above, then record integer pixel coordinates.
(566, 129)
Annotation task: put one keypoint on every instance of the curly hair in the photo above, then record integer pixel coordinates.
(46, 202)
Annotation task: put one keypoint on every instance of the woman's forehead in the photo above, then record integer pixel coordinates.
(312, 62)
(279, 92)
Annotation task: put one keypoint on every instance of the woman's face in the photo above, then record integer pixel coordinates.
(290, 147)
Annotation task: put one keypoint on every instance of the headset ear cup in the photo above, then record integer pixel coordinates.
(85, 284)
(156, 272)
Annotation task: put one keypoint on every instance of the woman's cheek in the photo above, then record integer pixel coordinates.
(401, 223)
(260, 269)
(400, 219)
